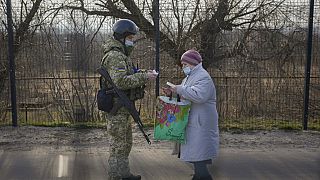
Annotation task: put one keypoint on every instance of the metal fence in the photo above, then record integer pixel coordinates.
(260, 85)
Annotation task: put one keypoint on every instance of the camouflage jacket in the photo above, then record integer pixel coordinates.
(120, 66)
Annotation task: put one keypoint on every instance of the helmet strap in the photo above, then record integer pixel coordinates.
(122, 40)
(117, 36)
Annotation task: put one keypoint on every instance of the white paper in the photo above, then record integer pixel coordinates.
(155, 72)
(170, 84)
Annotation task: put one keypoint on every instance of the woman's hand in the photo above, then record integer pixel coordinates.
(173, 89)
(166, 91)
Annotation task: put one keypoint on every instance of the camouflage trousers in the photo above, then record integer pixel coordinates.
(120, 136)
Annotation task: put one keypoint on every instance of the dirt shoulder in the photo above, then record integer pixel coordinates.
(75, 139)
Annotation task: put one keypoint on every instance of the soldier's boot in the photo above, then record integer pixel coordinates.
(132, 177)
(202, 178)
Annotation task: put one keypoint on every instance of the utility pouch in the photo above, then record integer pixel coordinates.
(105, 100)
(136, 93)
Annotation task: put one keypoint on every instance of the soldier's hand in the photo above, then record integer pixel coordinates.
(152, 74)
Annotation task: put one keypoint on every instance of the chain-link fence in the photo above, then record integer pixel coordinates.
(254, 50)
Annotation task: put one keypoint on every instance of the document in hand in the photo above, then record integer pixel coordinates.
(170, 84)
(155, 72)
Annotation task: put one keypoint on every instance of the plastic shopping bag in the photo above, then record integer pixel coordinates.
(171, 119)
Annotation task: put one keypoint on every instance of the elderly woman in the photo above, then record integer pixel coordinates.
(202, 132)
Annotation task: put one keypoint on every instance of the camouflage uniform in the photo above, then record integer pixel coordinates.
(120, 68)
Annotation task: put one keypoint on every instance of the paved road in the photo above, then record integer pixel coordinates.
(39, 164)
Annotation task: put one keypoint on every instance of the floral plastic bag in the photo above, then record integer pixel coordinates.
(171, 119)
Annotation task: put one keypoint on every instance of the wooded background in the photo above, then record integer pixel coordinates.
(255, 50)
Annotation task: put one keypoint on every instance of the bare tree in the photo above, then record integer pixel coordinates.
(28, 10)
(28, 15)
(22, 23)
(188, 23)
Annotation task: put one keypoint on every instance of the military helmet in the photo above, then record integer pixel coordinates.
(124, 27)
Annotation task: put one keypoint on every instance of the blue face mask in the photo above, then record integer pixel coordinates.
(186, 70)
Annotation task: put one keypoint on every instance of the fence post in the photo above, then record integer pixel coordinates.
(11, 65)
(157, 38)
(308, 67)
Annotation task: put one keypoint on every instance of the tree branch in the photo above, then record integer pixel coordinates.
(24, 26)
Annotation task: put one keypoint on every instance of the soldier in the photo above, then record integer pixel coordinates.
(132, 81)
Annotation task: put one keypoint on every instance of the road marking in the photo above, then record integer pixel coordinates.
(63, 166)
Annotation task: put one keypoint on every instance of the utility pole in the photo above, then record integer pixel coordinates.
(157, 38)
(308, 68)
(12, 65)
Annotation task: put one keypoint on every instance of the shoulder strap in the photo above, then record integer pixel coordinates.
(104, 58)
